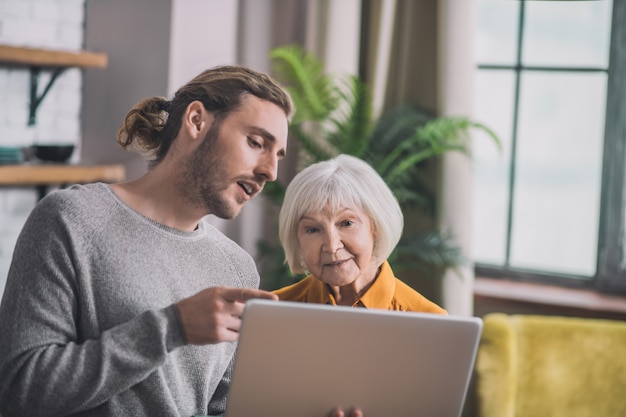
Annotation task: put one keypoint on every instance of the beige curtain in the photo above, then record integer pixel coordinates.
(421, 53)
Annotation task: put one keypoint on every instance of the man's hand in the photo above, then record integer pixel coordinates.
(214, 315)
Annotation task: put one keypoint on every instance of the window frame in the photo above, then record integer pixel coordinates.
(610, 276)
(611, 267)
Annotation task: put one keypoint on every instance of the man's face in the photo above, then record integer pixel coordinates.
(236, 158)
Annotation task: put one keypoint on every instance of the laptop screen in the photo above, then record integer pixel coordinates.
(299, 359)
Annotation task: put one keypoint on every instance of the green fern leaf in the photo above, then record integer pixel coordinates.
(311, 89)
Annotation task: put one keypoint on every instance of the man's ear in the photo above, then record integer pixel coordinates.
(195, 119)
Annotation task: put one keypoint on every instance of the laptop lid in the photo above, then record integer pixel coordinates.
(299, 359)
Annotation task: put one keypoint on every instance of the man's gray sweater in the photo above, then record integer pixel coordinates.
(88, 325)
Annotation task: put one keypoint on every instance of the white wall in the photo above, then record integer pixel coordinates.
(203, 34)
(136, 36)
(38, 24)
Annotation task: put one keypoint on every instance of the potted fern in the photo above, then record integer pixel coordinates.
(334, 115)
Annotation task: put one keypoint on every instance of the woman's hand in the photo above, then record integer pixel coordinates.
(352, 412)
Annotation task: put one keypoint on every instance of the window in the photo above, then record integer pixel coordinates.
(551, 81)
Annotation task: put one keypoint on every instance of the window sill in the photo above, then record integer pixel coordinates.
(526, 297)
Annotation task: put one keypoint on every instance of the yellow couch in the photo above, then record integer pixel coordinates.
(547, 366)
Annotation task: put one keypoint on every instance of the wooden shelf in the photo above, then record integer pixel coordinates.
(51, 58)
(61, 174)
(54, 61)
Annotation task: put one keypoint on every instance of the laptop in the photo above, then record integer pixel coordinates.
(300, 359)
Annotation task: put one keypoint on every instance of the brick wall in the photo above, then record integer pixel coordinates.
(54, 24)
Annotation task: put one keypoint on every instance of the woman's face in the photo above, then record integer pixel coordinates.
(337, 247)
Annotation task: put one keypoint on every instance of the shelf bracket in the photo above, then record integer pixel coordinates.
(35, 100)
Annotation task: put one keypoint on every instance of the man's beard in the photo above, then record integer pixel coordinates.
(204, 180)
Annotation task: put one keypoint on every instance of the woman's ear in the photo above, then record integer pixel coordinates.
(195, 119)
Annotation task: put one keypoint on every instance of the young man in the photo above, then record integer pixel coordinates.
(121, 300)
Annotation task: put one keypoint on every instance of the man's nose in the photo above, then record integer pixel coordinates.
(268, 168)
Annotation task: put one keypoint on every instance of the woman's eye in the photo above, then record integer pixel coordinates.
(310, 230)
(347, 223)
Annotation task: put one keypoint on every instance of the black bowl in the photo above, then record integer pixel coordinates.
(53, 153)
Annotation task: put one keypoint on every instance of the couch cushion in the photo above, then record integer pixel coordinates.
(538, 366)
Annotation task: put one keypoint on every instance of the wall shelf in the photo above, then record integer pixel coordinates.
(44, 175)
(56, 61)
(51, 58)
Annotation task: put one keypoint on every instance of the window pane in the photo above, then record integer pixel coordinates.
(498, 22)
(567, 33)
(558, 173)
(493, 107)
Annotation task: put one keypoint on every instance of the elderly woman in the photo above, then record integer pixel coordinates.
(339, 222)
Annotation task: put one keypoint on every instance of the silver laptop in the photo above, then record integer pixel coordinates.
(301, 360)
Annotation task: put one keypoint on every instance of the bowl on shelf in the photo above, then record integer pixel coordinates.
(53, 153)
(10, 155)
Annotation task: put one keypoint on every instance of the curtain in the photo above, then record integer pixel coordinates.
(421, 53)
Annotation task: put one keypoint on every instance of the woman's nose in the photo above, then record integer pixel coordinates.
(332, 241)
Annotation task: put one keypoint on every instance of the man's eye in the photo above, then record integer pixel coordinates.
(253, 142)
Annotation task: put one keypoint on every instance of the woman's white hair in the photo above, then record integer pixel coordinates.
(344, 181)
